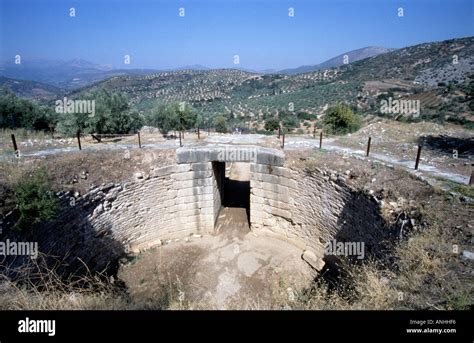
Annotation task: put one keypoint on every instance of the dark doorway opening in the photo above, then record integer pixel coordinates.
(234, 189)
(237, 186)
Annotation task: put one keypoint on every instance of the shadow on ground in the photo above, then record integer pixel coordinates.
(446, 144)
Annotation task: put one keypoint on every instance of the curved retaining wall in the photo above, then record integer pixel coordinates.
(178, 200)
(310, 209)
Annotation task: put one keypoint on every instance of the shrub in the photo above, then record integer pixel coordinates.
(341, 120)
(306, 116)
(174, 117)
(163, 118)
(220, 124)
(290, 122)
(272, 124)
(35, 200)
(112, 115)
(16, 112)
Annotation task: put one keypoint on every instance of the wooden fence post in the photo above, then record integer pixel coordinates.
(199, 136)
(418, 154)
(79, 139)
(15, 147)
(471, 180)
(139, 140)
(283, 141)
(321, 140)
(368, 146)
(180, 143)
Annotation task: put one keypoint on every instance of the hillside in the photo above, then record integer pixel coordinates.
(427, 64)
(423, 72)
(230, 91)
(30, 89)
(67, 75)
(352, 56)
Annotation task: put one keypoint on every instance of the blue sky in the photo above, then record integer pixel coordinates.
(213, 31)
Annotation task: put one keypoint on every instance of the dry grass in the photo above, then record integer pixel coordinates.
(422, 272)
(23, 134)
(421, 276)
(23, 298)
(38, 286)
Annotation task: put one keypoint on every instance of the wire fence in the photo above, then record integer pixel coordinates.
(430, 154)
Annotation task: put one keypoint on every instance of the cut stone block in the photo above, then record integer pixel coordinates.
(311, 258)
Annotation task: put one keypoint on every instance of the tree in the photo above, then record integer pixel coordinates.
(112, 115)
(186, 116)
(173, 117)
(162, 118)
(220, 124)
(290, 122)
(306, 116)
(52, 119)
(199, 121)
(272, 124)
(70, 123)
(340, 119)
(385, 96)
(230, 115)
(16, 112)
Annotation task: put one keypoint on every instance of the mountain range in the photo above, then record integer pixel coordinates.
(65, 75)
(345, 58)
(30, 89)
(77, 73)
(439, 74)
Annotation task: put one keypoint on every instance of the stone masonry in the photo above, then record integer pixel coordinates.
(307, 209)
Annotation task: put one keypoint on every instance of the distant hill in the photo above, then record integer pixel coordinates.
(78, 73)
(428, 63)
(417, 72)
(352, 56)
(30, 89)
(191, 67)
(68, 75)
(424, 72)
(73, 74)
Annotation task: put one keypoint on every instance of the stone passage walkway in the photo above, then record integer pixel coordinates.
(230, 269)
(233, 219)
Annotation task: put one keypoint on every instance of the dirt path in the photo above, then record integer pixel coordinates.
(291, 143)
(298, 143)
(217, 272)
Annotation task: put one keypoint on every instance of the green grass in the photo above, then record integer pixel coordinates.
(465, 190)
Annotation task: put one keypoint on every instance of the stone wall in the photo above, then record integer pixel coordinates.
(218, 169)
(307, 209)
(114, 219)
(176, 201)
(271, 201)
